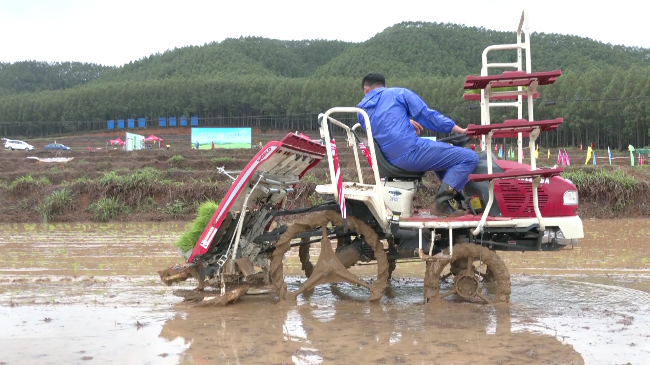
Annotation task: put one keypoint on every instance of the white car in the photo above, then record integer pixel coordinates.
(12, 144)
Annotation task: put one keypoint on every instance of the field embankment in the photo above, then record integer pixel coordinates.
(162, 185)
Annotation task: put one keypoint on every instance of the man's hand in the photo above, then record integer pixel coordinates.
(417, 126)
(459, 130)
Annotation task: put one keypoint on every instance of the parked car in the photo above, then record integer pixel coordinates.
(12, 144)
(56, 147)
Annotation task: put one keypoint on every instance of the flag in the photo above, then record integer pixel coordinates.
(609, 152)
(496, 147)
(631, 149)
(559, 157)
(366, 153)
(501, 152)
(589, 151)
(594, 155)
(563, 158)
(339, 182)
(537, 152)
(549, 154)
(580, 146)
(568, 161)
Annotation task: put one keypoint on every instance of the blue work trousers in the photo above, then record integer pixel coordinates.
(452, 165)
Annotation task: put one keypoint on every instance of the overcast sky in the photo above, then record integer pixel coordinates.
(116, 32)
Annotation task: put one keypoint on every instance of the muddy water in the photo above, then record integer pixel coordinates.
(78, 293)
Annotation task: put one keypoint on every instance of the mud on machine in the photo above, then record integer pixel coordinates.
(514, 207)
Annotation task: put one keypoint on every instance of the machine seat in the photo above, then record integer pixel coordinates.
(390, 172)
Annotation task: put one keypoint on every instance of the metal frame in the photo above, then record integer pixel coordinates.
(382, 217)
(523, 29)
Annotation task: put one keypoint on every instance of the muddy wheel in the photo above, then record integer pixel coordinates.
(329, 267)
(474, 269)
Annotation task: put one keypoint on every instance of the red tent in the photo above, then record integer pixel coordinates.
(152, 138)
(116, 141)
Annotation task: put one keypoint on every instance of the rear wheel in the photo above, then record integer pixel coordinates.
(479, 274)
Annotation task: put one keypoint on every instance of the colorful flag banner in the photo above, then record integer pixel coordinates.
(501, 152)
(589, 151)
(594, 155)
(609, 152)
(559, 157)
(366, 153)
(339, 182)
(631, 149)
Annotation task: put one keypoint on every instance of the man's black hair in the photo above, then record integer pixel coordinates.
(373, 79)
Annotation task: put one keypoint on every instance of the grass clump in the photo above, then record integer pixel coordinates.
(222, 160)
(27, 182)
(176, 160)
(175, 208)
(106, 208)
(133, 187)
(205, 211)
(56, 203)
(615, 188)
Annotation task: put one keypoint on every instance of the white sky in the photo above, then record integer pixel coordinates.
(114, 32)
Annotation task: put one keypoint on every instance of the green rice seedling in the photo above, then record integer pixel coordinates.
(57, 202)
(27, 182)
(175, 208)
(176, 160)
(222, 160)
(204, 213)
(106, 208)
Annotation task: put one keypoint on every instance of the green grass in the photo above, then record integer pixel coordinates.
(56, 203)
(176, 160)
(222, 160)
(205, 211)
(27, 182)
(107, 208)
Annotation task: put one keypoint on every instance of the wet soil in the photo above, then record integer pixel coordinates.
(90, 292)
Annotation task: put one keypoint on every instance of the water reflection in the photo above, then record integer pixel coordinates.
(323, 329)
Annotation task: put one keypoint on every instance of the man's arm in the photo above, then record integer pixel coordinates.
(429, 118)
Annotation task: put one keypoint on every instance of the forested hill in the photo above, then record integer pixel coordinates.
(32, 76)
(603, 95)
(419, 49)
(405, 50)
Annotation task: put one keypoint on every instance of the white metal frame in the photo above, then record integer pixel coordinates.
(486, 93)
(380, 214)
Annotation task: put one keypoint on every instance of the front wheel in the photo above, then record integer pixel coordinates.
(11, 148)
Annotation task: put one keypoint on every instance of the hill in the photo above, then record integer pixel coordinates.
(603, 95)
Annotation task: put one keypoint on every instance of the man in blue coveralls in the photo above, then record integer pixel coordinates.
(397, 116)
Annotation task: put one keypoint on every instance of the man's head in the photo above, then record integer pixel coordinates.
(372, 81)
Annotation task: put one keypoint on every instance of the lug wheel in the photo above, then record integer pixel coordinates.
(331, 267)
(479, 275)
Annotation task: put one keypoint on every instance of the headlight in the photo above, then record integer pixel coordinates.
(570, 197)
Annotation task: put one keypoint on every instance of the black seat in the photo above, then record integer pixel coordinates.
(390, 172)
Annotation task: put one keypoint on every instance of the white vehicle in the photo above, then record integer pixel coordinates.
(12, 144)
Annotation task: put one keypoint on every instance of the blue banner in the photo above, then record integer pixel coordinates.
(141, 123)
(162, 121)
(120, 123)
(110, 124)
(194, 121)
(130, 123)
(183, 121)
(172, 121)
(206, 138)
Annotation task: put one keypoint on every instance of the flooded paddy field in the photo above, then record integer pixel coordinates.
(89, 293)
